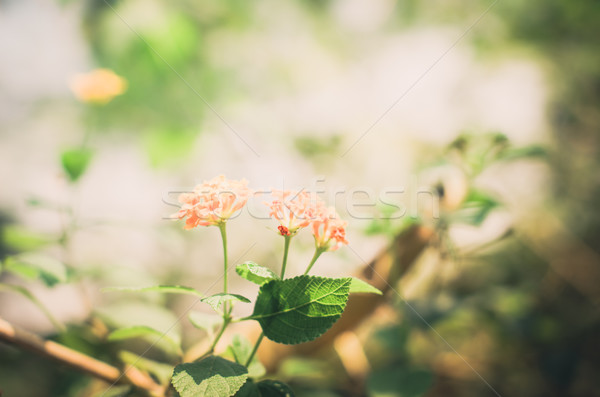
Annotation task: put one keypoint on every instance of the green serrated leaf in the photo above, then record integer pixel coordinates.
(240, 350)
(300, 309)
(360, 286)
(211, 377)
(255, 273)
(152, 336)
(161, 371)
(75, 162)
(32, 266)
(25, 292)
(215, 301)
(205, 321)
(165, 289)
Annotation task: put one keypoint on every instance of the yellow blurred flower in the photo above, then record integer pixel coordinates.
(99, 86)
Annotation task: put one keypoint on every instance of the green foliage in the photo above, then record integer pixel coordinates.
(168, 146)
(476, 207)
(532, 151)
(21, 239)
(161, 371)
(27, 294)
(75, 162)
(152, 336)
(36, 266)
(211, 377)
(389, 221)
(165, 289)
(305, 368)
(240, 350)
(205, 321)
(477, 152)
(360, 286)
(175, 39)
(300, 309)
(117, 390)
(255, 273)
(143, 314)
(265, 388)
(215, 301)
(311, 147)
(274, 388)
(399, 382)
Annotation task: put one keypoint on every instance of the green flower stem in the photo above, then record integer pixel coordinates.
(286, 248)
(211, 349)
(255, 349)
(226, 309)
(224, 238)
(316, 256)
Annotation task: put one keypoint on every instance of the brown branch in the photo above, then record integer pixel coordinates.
(383, 272)
(81, 362)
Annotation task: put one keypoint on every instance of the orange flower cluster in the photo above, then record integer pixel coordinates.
(296, 210)
(329, 230)
(213, 202)
(293, 210)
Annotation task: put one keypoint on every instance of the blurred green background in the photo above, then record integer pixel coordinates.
(493, 106)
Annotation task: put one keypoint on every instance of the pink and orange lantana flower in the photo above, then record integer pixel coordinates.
(329, 230)
(293, 210)
(296, 210)
(213, 202)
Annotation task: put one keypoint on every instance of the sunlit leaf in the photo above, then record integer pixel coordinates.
(211, 377)
(360, 286)
(215, 301)
(255, 273)
(300, 309)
